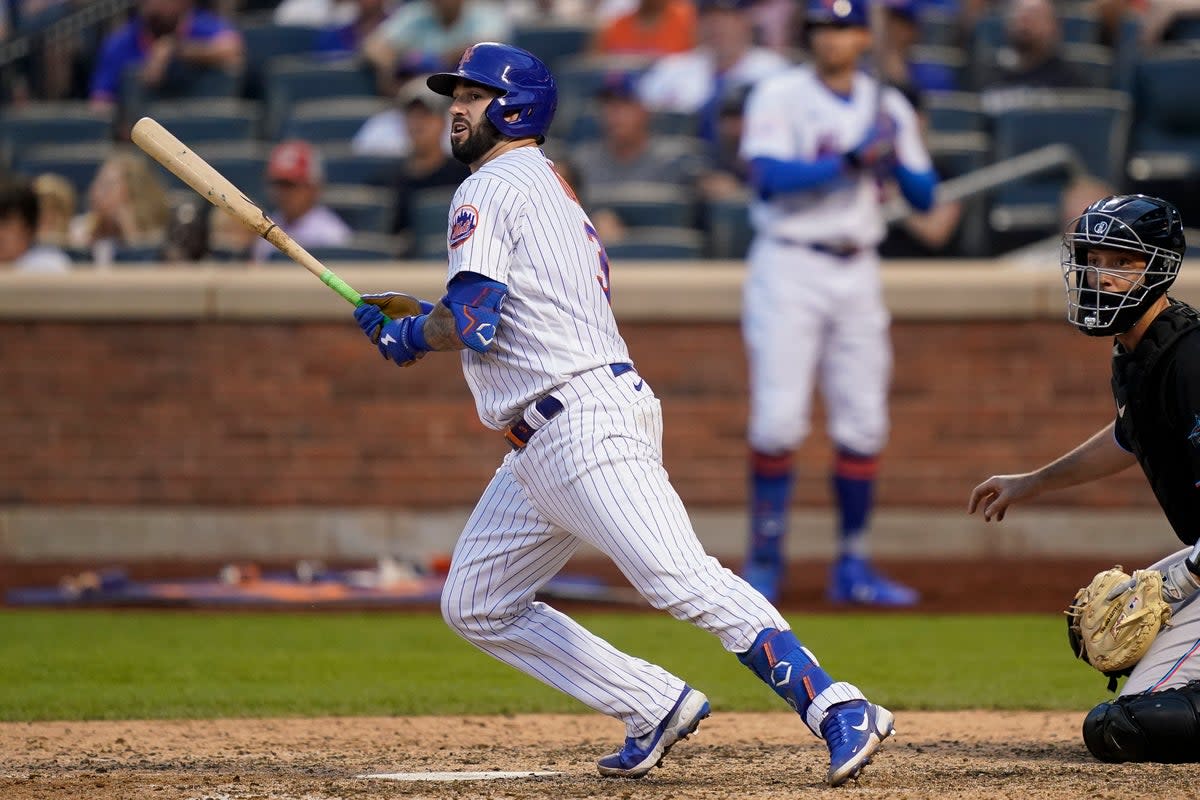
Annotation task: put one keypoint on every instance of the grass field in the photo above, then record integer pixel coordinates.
(153, 665)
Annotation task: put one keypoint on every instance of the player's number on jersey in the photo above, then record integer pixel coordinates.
(602, 277)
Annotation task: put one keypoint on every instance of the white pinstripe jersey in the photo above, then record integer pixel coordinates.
(795, 117)
(516, 222)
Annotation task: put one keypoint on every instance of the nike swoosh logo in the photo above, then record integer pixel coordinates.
(637, 387)
(862, 727)
(1120, 411)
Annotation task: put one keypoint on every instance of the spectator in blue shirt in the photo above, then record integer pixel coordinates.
(162, 33)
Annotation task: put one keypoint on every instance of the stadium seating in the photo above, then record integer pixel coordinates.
(939, 28)
(75, 162)
(367, 209)
(586, 126)
(552, 43)
(1165, 140)
(1094, 123)
(292, 80)
(269, 41)
(729, 230)
(953, 112)
(344, 166)
(182, 83)
(1094, 63)
(205, 120)
(645, 204)
(430, 214)
(330, 120)
(66, 122)
(658, 244)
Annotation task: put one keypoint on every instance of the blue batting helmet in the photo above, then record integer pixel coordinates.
(852, 13)
(525, 83)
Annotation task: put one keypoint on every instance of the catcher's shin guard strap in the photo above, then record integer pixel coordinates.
(781, 662)
(1162, 727)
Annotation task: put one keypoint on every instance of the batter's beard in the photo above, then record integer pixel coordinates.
(481, 140)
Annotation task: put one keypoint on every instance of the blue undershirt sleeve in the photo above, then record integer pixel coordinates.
(917, 187)
(771, 176)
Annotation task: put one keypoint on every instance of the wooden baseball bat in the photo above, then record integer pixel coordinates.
(161, 145)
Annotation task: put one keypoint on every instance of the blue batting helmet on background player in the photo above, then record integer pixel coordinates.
(849, 13)
(525, 83)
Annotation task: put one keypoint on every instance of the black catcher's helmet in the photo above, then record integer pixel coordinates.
(1146, 226)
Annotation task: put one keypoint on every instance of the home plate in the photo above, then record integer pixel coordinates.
(456, 776)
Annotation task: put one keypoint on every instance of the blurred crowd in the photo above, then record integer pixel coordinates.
(319, 110)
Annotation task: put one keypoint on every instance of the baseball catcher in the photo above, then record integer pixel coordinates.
(1119, 259)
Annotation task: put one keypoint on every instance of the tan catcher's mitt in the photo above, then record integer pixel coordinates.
(1114, 619)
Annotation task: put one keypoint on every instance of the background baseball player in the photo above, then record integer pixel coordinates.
(527, 304)
(1119, 259)
(819, 138)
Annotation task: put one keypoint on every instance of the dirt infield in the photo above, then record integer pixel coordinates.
(1020, 755)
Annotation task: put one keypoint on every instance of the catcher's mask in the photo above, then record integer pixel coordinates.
(1143, 226)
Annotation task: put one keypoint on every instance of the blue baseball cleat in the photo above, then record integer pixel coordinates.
(853, 732)
(853, 580)
(643, 754)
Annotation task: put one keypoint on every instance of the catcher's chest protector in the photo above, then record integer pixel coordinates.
(1146, 414)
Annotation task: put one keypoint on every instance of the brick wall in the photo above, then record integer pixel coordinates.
(236, 414)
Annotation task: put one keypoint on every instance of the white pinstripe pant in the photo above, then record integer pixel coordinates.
(594, 473)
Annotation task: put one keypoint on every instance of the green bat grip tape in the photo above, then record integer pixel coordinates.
(341, 287)
(344, 289)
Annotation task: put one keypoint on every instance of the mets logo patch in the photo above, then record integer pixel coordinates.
(463, 222)
(1194, 436)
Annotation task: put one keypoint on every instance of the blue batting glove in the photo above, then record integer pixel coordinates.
(401, 340)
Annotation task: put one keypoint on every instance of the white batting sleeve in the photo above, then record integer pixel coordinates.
(487, 219)
(910, 147)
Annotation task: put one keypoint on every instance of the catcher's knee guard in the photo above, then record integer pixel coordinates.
(1163, 727)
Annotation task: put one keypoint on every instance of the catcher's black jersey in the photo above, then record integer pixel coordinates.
(1157, 391)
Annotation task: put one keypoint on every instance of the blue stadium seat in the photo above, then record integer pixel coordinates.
(552, 43)
(586, 126)
(729, 229)
(77, 163)
(1080, 26)
(269, 41)
(138, 254)
(645, 204)
(949, 65)
(1094, 123)
(44, 123)
(1166, 115)
(331, 120)
(344, 166)
(367, 209)
(430, 215)
(292, 80)
(654, 244)
(207, 120)
(952, 112)
(1093, 61)
(184, 83)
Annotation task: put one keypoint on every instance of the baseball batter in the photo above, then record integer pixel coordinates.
(527, 304)
(820, 138)
(1119, 259)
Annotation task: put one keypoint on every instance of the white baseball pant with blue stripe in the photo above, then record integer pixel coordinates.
(1174, 658)
(592, 474)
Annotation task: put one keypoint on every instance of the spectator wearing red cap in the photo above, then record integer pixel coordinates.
(296, 176)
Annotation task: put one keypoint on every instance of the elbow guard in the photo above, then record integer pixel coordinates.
(476, 308)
